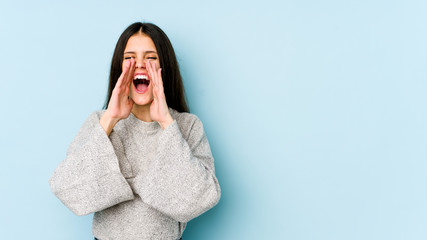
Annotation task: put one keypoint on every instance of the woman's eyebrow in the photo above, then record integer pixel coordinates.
(131, 52)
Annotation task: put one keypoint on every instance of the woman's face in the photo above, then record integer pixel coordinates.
(141, 48)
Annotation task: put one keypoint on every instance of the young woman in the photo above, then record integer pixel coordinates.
(143, 165)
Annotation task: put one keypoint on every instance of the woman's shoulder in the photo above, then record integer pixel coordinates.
(184, 118)
(95, 115)
(99, 113)
(187, 122)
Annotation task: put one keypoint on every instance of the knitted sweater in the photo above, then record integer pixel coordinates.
(141, 182)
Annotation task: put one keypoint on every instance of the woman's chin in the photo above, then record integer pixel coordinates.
(142, 100)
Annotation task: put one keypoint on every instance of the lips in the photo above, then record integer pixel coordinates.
(141, 83)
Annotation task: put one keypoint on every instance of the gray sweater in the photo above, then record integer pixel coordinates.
(141, 182)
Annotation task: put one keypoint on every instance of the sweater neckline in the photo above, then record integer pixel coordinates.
(145, 126)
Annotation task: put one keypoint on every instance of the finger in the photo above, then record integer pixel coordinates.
(153, 76)
(159, 81)
(154, 89)
(159, 73)
(155, 73)
(154, 94)
(129, 73)
(122, 75)
(150, 72)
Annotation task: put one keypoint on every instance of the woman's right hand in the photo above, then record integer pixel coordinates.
(120, 104)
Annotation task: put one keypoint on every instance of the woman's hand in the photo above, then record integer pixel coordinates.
(120, 104)
(159, 110)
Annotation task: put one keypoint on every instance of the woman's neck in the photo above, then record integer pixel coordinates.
(142, 112)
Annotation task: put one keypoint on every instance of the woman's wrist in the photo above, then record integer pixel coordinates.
(164, 124)
(107, 122)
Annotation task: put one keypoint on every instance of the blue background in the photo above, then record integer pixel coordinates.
(315, 111)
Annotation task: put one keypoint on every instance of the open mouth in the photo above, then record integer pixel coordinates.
(141, 83)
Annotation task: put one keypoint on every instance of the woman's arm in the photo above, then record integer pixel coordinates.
(120, 104)
(90, 179)
(181, 182)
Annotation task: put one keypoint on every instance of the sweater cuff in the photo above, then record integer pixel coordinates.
(106, 191)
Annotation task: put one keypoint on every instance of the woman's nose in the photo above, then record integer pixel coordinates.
(140, 64)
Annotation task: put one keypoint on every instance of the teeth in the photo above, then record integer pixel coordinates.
(141, 77)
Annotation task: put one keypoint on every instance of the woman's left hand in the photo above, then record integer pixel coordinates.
(159, 110)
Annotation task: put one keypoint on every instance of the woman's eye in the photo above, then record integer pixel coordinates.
(128, 58)
(154, 58)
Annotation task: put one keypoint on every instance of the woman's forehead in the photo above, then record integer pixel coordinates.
(140, 42)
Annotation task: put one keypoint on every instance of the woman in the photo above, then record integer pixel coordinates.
(143, 165)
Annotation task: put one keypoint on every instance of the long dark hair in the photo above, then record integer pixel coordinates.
(172, 80)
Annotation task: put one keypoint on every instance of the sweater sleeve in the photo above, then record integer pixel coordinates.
(89, 179)
(181, 181)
